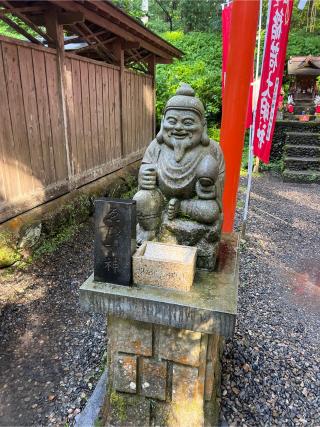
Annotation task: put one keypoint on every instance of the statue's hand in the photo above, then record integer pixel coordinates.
(148, 178)
(173, 208)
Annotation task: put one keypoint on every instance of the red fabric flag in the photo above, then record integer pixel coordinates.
(275, 47)
(226, 25)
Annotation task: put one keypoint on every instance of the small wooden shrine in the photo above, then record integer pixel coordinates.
(304, 71)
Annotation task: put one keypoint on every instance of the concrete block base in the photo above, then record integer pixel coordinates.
(161, 376)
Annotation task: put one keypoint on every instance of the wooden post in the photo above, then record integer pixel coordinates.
(55, 32)
(152, 72)
(119, 54)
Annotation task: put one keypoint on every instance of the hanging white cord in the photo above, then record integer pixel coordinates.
(251, 134)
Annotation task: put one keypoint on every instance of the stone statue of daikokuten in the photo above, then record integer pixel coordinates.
(181, 181)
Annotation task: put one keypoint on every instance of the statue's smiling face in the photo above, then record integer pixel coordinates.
(182, 129)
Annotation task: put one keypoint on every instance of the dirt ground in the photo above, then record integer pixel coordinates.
(50, 350)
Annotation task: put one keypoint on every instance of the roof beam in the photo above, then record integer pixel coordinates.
(80, 39)
(64, 18)
(95, 18)
(20, 30)
(143, 32)
(130, 45)
(163, 60)
(26, 20)
(100, 52)
(99, 43)
(24, 9)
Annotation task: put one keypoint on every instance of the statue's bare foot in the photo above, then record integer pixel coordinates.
(143, 235)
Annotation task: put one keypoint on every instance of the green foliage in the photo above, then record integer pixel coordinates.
(200, 15)
(275, 166)
(132, 7)
(61, 225)
(51, 243)
(214, 133)
(175, 15)
(200, 67)
(302, 43)
(6, 30)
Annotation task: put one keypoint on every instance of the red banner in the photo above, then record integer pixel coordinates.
(275, 47)
(226, 25)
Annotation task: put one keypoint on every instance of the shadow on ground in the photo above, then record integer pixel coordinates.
(50, 351)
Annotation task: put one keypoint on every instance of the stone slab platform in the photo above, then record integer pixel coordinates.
(209, 307)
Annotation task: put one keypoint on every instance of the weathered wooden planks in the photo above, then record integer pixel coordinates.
(21, 153)
(137, 107)
(56, 118)
(33, 141)
(31, 115)
(44, 121)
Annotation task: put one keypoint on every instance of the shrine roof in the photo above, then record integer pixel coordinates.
(304, 65)
(91, 27)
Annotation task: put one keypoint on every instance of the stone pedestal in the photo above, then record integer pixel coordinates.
(164, 346)
(161, 376)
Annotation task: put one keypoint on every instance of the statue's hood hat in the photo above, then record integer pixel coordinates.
(185, 99)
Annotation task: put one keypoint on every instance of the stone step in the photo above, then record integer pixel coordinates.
(303, 138)
(302, 163)
(307, 177)
(302, 150)
(304, 102)
(304, 109)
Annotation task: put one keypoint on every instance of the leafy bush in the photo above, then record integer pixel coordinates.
(302, 43)
(200, 67)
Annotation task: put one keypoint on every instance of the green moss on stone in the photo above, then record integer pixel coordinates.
(9, 253)
(8, 256)
(118, 404)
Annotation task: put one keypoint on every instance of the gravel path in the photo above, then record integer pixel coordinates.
(50, 351)
(271, 370)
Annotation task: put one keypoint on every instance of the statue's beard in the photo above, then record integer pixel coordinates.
(179, 145)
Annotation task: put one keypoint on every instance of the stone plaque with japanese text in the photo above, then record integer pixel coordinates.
(115, 240)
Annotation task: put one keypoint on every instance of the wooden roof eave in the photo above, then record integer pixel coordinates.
(149, 36)
(133, 33)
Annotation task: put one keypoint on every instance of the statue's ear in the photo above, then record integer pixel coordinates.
(205, 140)
(159, 136)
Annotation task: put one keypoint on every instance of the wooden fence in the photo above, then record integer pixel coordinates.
(59, 133)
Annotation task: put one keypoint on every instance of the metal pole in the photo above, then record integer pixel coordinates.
(251, 135)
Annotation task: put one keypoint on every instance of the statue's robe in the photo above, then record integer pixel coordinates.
(178, 179)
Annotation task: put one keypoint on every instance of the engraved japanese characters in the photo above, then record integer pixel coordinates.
(181, 181)
(115, 240)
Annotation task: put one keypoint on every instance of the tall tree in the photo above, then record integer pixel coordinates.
(170, 9)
